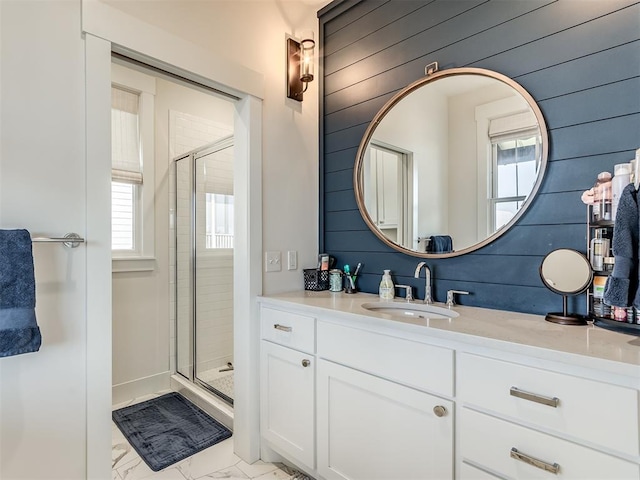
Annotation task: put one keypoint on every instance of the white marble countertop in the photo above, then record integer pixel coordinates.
(513, 331)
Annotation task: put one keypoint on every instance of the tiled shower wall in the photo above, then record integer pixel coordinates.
(214, 301)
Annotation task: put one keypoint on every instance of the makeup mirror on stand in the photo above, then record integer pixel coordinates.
(566, 272)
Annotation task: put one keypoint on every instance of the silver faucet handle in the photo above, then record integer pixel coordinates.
(409, 289)
(451, 298)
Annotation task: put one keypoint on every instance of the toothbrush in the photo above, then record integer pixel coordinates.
(355, 274)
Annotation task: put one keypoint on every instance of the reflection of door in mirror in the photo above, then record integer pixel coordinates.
(388, 191)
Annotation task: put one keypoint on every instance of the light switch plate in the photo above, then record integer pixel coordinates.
(292, 260)
(272, 261)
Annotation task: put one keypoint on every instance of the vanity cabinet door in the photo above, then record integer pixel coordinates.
(287, 402)
(373, 428)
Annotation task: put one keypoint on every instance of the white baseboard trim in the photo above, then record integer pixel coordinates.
(127, 391)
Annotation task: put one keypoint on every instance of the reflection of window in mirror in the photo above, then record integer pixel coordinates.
(388, 191)
(515, 158)
(509, 156)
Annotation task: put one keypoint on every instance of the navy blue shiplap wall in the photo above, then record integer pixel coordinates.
(580, 60)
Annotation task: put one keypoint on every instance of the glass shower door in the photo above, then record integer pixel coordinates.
(213, 268)
(204, 229)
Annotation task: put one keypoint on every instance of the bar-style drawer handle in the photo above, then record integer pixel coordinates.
(533, 397)
(282, 327)
(547, 467)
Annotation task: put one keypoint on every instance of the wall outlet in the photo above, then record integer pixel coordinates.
(272, 261)
(292, 260)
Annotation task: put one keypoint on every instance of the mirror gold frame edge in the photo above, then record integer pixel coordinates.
(358, 185)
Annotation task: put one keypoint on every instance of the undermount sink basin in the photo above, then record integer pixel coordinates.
(410, 310)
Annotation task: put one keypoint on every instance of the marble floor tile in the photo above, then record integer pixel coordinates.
(213, 459)
(257, 468)
(231, 473)
(277, 474)
(121, 451)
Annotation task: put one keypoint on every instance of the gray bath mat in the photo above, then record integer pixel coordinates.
(168, 429)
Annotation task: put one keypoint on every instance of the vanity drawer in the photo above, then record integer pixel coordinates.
(593, 411)
(288, 329)
(490, 442)
(418, 365)
(469, 472)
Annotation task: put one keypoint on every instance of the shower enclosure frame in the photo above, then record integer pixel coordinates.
(193, 156)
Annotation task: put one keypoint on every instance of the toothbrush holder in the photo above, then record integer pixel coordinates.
(350, 284)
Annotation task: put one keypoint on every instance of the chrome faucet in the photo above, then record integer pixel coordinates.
(428, 299)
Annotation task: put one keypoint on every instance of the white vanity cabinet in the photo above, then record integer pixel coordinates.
(485, 395)
(287, 384)
(370, 426)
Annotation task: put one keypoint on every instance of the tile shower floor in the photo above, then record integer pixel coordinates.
(217, 461)
(221, 381)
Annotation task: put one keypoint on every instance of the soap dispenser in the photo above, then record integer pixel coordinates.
(387, 289)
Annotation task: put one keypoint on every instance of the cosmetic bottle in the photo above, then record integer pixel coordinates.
(602, 200)
(621, 178)
(387, 288)
(599, 250)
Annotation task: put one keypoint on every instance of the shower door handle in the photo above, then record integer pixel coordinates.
(282, 327)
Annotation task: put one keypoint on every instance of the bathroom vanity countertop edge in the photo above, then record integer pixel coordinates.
(586, 346)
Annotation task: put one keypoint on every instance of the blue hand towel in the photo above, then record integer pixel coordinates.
(622, 285)
(19, 332)
(440, 244)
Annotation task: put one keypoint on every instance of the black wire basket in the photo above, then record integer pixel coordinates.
(315, 279)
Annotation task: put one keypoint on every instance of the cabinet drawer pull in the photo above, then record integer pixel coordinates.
(306, 363)
(547, 467)
(282, 327)
(533, 397)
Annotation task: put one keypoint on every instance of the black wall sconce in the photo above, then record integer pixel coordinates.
(299, 66)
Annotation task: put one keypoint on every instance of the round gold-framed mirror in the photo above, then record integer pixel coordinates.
(451, 162)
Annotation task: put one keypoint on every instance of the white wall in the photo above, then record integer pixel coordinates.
(44, 412)
(252, 33)
(42, 183)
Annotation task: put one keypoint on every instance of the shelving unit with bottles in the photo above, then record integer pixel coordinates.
(598, 311)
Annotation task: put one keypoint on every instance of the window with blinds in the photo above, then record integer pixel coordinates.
(515, 145)
(126, 173)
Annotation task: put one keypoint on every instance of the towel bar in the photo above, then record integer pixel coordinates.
(71, 240)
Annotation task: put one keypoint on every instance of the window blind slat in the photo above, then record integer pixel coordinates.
(126, 176)
(125, 133)
(517, 124)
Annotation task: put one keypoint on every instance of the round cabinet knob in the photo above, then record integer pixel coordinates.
(306, 363)
(439, 410)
